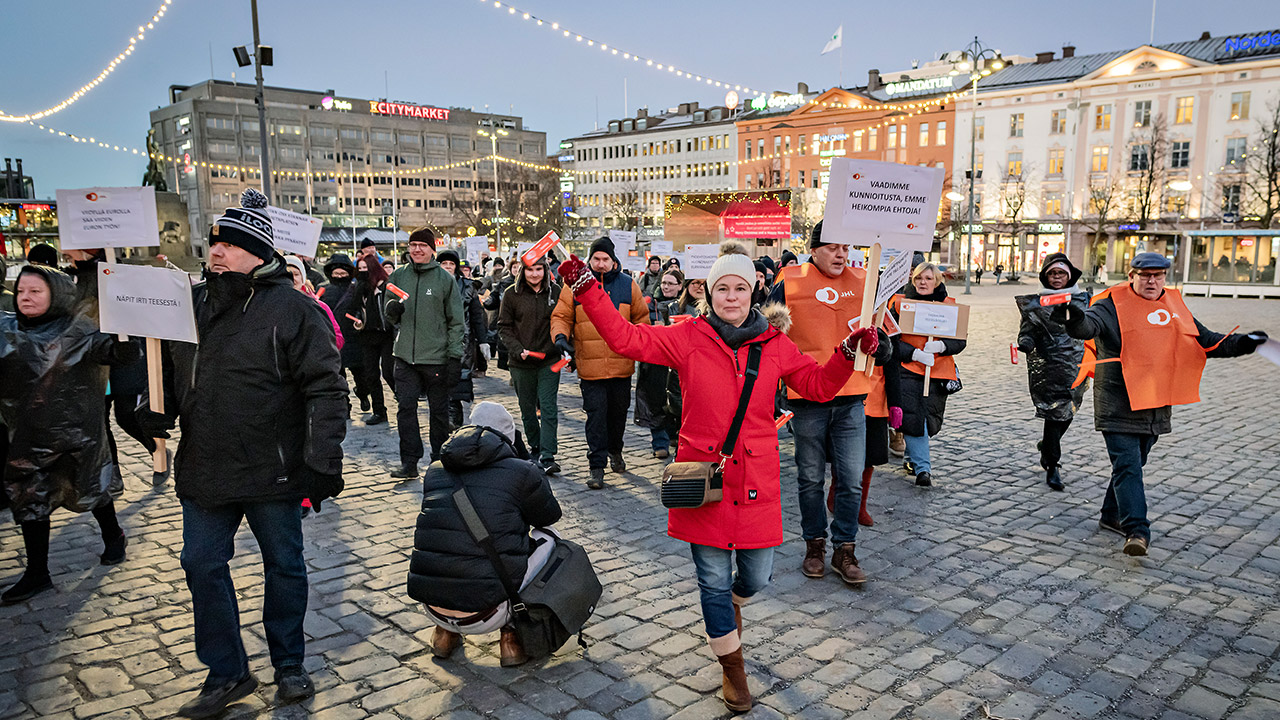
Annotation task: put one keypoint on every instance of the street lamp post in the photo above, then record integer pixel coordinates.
(979, 61)
(497, 228)
(262, 55)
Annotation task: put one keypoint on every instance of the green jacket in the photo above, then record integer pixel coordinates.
(430, 319)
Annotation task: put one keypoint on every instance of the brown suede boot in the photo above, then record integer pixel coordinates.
(444, 642)
(510, 651)
(864, 518)
(815, 558)
(845, 564)
(737, 697)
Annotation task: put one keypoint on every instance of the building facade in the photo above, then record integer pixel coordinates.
(354, 163)
(1108, 154)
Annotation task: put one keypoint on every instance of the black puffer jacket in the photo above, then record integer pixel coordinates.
(447, 568)
(262, 405)
(1053, 356)
(1111, 410)
(920, 413)
(52, 398)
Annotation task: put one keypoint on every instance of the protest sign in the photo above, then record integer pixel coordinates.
(893, 277)
(294, 232)
(661, 247)
(146, 301)
(522, 248)
(107, 217)
(1270, 350)
(633, 263)
(933, 320)
(537, 250)
(624, 241)
(868, 200)
(698, 260)
(476, 246)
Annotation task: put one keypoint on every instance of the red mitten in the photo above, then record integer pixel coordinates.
(866, 338)
(576, 275)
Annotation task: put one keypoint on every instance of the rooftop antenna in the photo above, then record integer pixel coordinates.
(1152, 40)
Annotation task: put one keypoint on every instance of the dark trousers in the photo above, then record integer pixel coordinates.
(1051, 443)
(208, 544)
(606, 403)
(359, 381)
(536, 389)
(377, 354)
(412, 381)
(35, 536)
(1126, 499)
(128, 422)
(372, 377)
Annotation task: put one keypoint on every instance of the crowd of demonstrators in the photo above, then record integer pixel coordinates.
(341, 295)
(713, 353)
(821, 295)
(298, 276)
(922, 414)
(1150, 353)
(474, 335)
(604, 374)
(524, 329)
(651, 278)
(658, 386)
(428, 348)
(449, 572)
(1053, 358)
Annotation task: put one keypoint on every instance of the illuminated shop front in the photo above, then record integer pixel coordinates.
(23, 224)
(1236, 263)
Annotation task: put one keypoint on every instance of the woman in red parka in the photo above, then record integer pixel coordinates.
(710, 355)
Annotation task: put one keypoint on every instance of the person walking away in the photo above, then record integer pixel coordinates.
(714, 355)
(428, 348)
(524, 327)
(53, 404)
(1053, 357)
(1150, 354)
(605, 376)
(922, 416)
(822, 296)
(652, 277)
(652, 380)
(474, 333)
(448, 570)
(999, 272)
(262, 406)
(344, 302)
(377, 335)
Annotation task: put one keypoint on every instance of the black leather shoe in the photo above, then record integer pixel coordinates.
(924, 479)
(551, 466)
(616, 463)
(293, 684)
(364, 404)
(213, 699)
(1053, 479)
(27, 587)
(1111, 526)
(160, 478)
(375, 419)
(114, 552)
(407, 471)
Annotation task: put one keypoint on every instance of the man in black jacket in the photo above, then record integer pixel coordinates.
(263, 416)
(524, 326)
(1150, 354)
(448, 570)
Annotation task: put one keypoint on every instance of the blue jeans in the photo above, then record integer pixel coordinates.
(845, 428)
(659, 439)
(918, 452)
(208, 544)
(1126, 499)
(717, 583)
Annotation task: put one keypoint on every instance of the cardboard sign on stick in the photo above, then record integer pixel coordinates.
(294, 232)
(476, 246)
(540, 248)
(107, 217)
(146, 301)
(698, 260)
(865, 318)
(869, 200)
(939, 320)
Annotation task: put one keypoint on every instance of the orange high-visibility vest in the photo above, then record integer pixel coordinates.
(877, 403)
(821, 309)
(1160, 354)
(944, 366)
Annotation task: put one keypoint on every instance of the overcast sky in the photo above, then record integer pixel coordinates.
(466, 53)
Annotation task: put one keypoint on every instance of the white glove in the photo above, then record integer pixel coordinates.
(484, 350)
(922, 357)
(934, 346)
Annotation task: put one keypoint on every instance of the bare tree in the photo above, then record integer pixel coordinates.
(807, 206)
(1104, 199)
(1147, 172)
(624, 205)
(1012, 194)
(1261, 178)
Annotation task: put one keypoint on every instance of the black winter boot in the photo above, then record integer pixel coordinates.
(408, 471)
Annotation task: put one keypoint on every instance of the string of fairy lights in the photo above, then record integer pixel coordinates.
(102, 75)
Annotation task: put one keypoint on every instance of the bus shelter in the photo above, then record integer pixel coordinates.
(1231, 263)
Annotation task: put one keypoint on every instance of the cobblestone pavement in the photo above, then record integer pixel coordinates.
(986, 590)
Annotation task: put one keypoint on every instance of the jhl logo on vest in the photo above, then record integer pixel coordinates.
(1160, 317)
(829, 296)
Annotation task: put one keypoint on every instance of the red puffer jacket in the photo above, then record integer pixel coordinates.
(711, 378)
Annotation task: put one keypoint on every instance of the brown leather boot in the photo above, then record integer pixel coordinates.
(737, 697)
(444, 642)
(846, 565)
(864, 518)
(815, 558)
(510, 651)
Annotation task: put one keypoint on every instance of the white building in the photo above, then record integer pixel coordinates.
(1068, 138)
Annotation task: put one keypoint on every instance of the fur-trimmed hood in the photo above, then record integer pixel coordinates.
(778, 315)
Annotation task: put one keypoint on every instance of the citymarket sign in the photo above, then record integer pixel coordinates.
(922, 85)
(407, 110)
(1252, 42)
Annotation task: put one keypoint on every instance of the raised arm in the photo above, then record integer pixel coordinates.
(815, 382)
(657, 344)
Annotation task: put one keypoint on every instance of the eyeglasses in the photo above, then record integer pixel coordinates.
(419, 246)
(1151, 277)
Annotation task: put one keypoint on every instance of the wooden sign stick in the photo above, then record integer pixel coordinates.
(155, 387)
(868, 301)
(871, 366)
(928, 370)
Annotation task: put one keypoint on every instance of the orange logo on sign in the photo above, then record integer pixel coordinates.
(106, 271)
(857, 176)
(911, 226)
(91, 197)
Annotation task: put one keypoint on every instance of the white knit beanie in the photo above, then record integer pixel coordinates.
(733, 260)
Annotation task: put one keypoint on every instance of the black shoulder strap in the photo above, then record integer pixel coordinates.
(480, 533)
(753, 370)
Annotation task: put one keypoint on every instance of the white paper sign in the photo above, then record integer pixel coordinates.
(661, 247)
(868, 200)
(634, 264)
(934, 319)
(107, 217)
(294, 232)
(699, 259)
(522, 248)
(624, 241)
(893, 277)
(857, 257)
(145, 301)
(476, 246)
(1270, 350)
(803, 258)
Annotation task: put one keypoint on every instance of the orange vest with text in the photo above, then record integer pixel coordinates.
(944, 366)
(1160, 354)
(821, 308)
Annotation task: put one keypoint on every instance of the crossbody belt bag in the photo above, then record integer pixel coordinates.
(556, 603)
(694, 484)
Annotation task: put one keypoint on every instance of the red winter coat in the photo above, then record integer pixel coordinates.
(750, 515)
